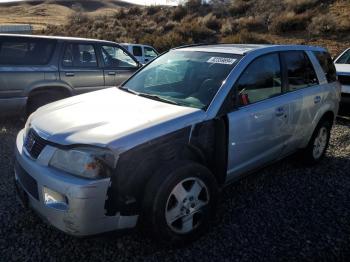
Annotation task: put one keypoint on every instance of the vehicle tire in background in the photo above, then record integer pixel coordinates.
(42, 98)
(318, 144)
(179, 203)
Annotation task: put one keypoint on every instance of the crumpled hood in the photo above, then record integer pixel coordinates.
(110, 117)
(343, 68)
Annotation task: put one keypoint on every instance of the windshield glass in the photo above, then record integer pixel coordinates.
(188, 78)
(345, 58)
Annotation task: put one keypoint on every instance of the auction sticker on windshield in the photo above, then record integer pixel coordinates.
(221, 60)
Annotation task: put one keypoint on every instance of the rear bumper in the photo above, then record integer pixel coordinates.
(85, 214)
(12, 106)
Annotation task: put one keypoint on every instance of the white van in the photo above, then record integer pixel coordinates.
(143, 53)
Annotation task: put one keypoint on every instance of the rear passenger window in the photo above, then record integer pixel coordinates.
(300, 71)
(25, 51)
(261, 80)
(137, 50)
(327, 65)
(79, 55)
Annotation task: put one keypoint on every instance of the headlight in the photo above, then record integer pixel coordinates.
(85, 162)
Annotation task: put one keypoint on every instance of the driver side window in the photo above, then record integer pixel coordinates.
(114, 56)
(260, 80)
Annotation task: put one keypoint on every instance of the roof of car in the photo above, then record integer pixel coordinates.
(57, 37)
(242, 49)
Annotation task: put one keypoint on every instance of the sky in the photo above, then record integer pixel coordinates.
(141, 2)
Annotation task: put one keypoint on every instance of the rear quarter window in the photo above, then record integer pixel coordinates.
(22, 51)
(327, 65)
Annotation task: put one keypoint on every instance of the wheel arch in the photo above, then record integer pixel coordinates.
(199, 143)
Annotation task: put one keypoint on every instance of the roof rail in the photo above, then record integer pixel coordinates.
(192, 45)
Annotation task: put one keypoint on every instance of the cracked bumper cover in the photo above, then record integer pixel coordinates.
(86, 199)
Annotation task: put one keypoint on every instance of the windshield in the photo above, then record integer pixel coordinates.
(344, 59)
(188, 78)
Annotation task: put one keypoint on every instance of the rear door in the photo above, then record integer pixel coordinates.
(260, 126)
(302, 80)
(80, 67)
(118, 65)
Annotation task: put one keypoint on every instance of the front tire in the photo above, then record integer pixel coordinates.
(318, 144)
(180, 202)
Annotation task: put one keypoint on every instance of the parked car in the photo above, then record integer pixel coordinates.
(143, 53)
(36, 70)
(342, 64)
(157, 150)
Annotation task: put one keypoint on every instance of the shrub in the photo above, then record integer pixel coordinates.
(169, 26)
(121, 14)
(212, 22)
(239, 7)
(195, 31)
(251, 23)
(78, 18)
(179, 13)
(288, 22)
(163, 43)
(227, 27)
(244, 37)
(151, 10)
(193, 5)
(300, 6)
(321, 25)
(135, 10)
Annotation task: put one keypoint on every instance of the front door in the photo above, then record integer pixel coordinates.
(259, 128)
(118, 65)
(138, 52)
(80, 68)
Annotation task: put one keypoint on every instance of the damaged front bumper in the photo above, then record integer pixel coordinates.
(81, 207)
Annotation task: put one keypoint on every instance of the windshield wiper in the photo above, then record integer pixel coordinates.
(154, 97)
(128, 90)
(158, 98)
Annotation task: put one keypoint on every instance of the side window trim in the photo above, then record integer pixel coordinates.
(66, 43)
(103, 64)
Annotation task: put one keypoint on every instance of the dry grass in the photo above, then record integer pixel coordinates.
(318, 22)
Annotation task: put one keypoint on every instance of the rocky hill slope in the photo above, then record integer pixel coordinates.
(316, 22)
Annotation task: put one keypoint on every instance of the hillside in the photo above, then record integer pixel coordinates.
(317, 22)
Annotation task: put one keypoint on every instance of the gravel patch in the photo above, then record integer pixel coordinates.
(283, 212)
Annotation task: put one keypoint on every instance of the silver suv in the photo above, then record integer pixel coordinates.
(157, 150)
(36, 70)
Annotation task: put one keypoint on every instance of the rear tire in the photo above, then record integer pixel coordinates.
(179, 203)
(318, 144)
(42, 98)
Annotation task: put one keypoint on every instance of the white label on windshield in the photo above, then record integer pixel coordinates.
(222, 60)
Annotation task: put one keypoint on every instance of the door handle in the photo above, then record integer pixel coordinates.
(279, 111)
(111, 73)
(69, 74)
(317, 99)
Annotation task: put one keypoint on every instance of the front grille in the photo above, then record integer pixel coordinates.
(344, 79)
(34, 144)
(29, 183)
